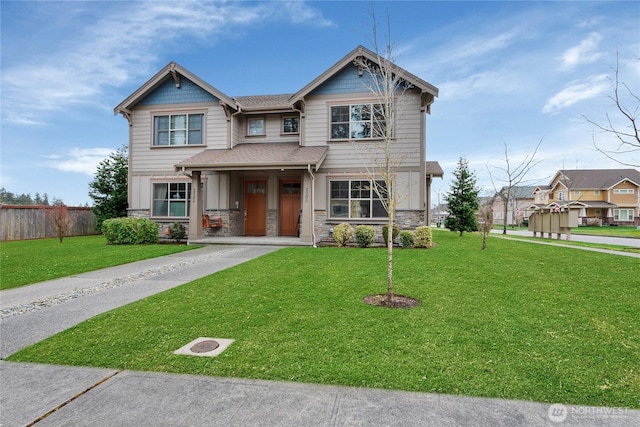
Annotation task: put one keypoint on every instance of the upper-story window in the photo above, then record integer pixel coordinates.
(596, 192)
(623, 191)
(178, 129)
(560, 195)
(255, 126)
(357, 121)
(290, 125)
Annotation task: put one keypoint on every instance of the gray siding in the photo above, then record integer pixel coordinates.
(407, 145)
(148, 159)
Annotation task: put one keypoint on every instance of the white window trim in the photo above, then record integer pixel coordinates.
(623, 191)
(186, 199)
(617, 212)
(370, 102)
(372, 196)
(187, 112)
(282, 129)
(248, 127)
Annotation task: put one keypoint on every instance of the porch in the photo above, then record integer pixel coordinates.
(251, 240)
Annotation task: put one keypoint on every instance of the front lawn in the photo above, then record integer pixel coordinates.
(23, 262)
(518, 321)
(605, 230)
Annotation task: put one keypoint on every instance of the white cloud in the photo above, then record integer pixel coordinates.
(124, 44)
(80, 160)
(493, 83)
(584, 53)
(576, 92)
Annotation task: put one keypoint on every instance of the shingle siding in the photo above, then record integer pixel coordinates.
(345, 81)
(168, 93)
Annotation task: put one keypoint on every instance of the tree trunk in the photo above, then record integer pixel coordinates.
(390, 257)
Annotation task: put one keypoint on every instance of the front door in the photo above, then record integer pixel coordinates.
(290, 192)
(255, 207)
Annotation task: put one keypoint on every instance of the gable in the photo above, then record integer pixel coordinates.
(345, 69)
(347, 80)
(168, 93)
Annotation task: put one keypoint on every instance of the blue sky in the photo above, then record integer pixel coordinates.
(509, 73)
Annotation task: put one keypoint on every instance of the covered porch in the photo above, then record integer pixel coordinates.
(261, 190)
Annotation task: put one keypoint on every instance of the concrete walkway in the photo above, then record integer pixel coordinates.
(49, 395)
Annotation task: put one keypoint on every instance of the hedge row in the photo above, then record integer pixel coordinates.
(344, 233)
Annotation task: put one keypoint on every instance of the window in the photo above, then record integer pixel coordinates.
(178, 129)
(623, 214)
(255, 126)
(356, 199)
(596, 192)
(290, 125)
(560, 195)
(623, 191)
(357, 121)
(576, 192)
(171, 199)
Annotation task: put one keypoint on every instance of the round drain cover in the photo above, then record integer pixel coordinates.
(205, 346)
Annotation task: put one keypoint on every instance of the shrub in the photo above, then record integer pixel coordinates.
(130, 231)
(424, 238)
(365, 235)
(394, 233)
(407, 237)
(177, 232)
(342, 233)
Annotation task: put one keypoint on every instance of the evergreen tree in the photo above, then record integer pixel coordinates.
(109, 187)
(463, 200)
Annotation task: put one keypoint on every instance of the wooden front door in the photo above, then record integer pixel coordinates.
(255, 207)
(290, 193)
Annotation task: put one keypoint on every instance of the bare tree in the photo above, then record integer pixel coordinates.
(60, 220)
(388, 86)
(486, 215)
(627, 104)
(512, 175)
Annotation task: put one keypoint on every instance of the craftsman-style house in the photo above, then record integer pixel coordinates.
(603, 196)
(273, 165)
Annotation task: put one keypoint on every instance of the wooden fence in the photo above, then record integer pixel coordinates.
(32, 222)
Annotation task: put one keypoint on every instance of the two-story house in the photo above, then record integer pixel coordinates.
(274, 165)
(604, 196)
(519, 201)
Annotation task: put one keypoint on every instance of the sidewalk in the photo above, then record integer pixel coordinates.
(61, 395)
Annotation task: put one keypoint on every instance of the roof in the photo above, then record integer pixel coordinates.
(521, 191)
(282, 155)
(427, 89)
(434, 169)
(171, 70)
(595, 179)
(271, 103)
(264, 102)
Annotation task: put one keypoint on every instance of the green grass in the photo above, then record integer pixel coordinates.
(621, 231)
(605, 230)
(30, 261)
(563, 241)
(518, 321)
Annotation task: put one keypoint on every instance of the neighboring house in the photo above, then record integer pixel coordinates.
(274, 165)
(604, 196)
(519, 205)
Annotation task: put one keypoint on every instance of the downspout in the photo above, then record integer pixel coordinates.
(313, 212)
